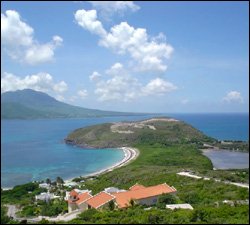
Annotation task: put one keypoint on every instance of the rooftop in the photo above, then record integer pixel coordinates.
(83, 197)
(100, 199)
(137, 192)
(136, 187)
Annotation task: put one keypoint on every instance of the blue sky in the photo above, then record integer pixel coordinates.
(130, 56)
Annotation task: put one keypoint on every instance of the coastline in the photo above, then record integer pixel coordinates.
(130, 154)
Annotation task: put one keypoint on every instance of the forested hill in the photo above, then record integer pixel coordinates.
(30, 104)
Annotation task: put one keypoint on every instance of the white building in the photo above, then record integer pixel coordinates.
(44, 185)
(46, 196)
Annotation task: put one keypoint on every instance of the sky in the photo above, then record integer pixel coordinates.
(162, 57)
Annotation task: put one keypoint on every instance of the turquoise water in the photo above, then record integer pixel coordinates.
(34, 149)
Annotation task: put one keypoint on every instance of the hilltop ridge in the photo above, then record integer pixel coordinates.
(162, 130)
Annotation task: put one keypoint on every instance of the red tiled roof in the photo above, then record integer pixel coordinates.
(123, 198)
(99, 199)
(136, 187)
(83, 197)
(73, 193)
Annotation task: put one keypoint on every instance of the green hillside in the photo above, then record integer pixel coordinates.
(128, 134)
(30, 104)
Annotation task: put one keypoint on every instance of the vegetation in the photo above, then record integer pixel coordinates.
(137, 215)
(242, 146)
(4, 217)
(166, 199)
(166, 134)
(21, 194)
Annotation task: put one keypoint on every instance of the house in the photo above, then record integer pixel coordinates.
(100, 200)
(66, 198)
(46, 196)
(142, 195)
(70, 184)
(77, 200)
(138, 193)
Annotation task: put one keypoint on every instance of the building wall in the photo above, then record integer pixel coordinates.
(150, 200)
(72, 207)
(105, 206)
(147, 201)
(83, 206)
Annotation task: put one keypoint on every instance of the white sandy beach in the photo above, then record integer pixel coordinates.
(129, 155)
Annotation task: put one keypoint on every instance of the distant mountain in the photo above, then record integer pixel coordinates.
(30, 104)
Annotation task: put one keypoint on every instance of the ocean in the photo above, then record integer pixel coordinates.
(35, 150)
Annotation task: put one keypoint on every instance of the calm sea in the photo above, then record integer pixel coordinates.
(34, 149)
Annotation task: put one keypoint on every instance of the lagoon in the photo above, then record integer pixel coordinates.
(224, 159)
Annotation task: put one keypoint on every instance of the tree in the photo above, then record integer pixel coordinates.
(132, 202)
(44, 221)
(111, 205)
(165, 199)
(48, 181)
(153, 219)
(59, 180)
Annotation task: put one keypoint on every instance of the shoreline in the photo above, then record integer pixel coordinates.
(130, 154)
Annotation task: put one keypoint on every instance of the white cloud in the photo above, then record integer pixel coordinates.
(88, 20)
(158, 86)
(149, 54)
(123, 87)
(60, 87)
(40, 82)
(14, 32)
(108, 8)
(57, 40)
(116, 69)
(95, 76)
(60, 98)
(233, 97)
(82, 93)
(17, 39)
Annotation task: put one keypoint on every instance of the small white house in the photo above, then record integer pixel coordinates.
(46, 196)
(70, 184)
